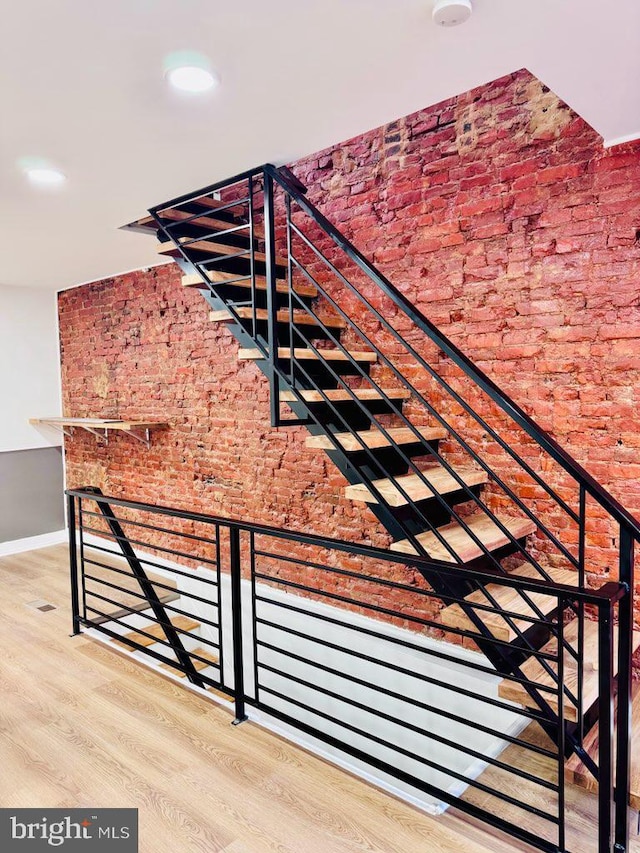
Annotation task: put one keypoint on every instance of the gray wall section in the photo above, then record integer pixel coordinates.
(31, 493)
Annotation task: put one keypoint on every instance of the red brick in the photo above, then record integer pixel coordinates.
(522, 248)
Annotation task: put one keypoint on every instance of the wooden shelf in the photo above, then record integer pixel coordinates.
(100, 427)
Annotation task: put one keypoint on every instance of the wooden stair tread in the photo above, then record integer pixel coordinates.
(300, 318)
(217, 277)
(215, 204)
(251, 354)
(507, 599)
(575, 773)
(198, 665)
(156, 630)
(374, 439)
(129, 596)
(441, 480)
(202, 220)
(534, 671)
(463, 545)
(215, 248)
(338, 395)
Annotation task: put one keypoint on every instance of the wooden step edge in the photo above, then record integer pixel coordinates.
(417, 490)
(251, 354)
(220, 278)
(216, 248)
(374, 439)
(341, 396)
(165, 598)
(515, 692)
(201, 221)
(300, 318)
(198, 665)
(464, 546)
(156, 631)
(453, 616)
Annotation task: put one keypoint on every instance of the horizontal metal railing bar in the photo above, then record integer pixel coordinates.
(428, 680)
(420, 759)
(214, 258)
(507, 827)
(151, 652)
(166, 606)
(608, 592)
(176, 223)
(457, 632)
(209, 602)
(463, 443)
(515, 412)
(186, 243)
(405, 724)
(426, 593)
(164, 642)
(154, 565)
(441, 596)
(164, 550)
(359, 629)
(497, 644)
(183, 535)
(232, 281)
(209, 581)
(194, 196)
(395, 666)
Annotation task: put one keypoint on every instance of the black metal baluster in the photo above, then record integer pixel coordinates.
(272, 297)
(236, 616)
(73, 563)
(623, 721)
(605, 732)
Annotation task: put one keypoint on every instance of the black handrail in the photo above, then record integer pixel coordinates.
(610, 591)
(515, 412)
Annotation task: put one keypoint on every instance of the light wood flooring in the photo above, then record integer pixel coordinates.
(81, 725)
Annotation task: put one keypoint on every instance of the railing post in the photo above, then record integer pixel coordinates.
(623, 720)
(73, 564)
(236, 617)
(605, 724)
(272, 298)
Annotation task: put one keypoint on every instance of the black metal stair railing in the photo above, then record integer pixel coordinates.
(307, 660)
(272, 217)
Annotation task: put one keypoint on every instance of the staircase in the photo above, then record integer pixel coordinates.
(418, 431)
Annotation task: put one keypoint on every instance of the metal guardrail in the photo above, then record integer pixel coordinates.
(312, 666)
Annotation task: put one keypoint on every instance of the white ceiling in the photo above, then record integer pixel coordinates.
(81, 84)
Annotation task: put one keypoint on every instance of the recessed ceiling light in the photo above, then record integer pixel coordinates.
(188, 71)
(190, 78)
(450, 13)
(41, 173)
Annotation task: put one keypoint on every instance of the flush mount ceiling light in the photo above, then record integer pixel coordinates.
(41, 172)
(190, 72)
(450, 13)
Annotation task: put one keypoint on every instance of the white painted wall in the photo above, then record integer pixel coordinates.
(29, 367)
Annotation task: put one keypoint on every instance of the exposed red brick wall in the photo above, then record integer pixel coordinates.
(499, 214)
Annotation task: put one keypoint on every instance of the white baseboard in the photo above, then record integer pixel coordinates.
(32, 543)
